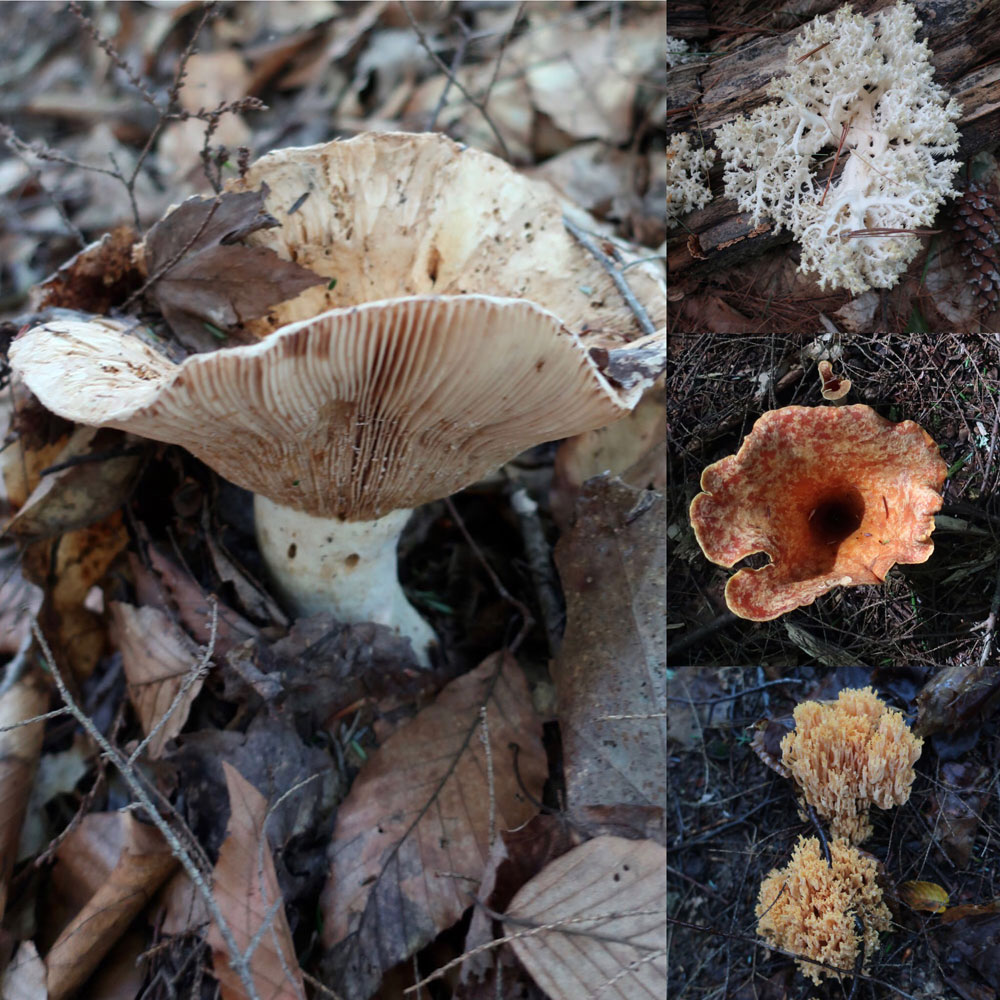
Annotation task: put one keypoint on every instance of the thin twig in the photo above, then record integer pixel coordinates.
(479, 105)
(836, 159)
(484, 736)
(615, 274)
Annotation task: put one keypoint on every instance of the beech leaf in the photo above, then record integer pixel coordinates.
(603, 907)
(159, 660)
(413, 836)
(216, 280)
(246, 891)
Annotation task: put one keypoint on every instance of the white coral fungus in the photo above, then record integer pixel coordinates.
(687, 186)
(866, 87)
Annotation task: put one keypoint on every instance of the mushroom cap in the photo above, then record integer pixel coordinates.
(834, 495)
(396, 214)
(350, 414)
(832, 386)
(849, 755)
(808, 907)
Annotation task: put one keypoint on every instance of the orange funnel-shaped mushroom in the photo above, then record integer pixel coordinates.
(836, 496)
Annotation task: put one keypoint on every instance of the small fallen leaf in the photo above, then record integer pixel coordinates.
(924, 896)
(103, 469)
(953, 913)
(247, 894)
(413, 836)
(19, 750)
(603, 909)
(957, 697)
(160, 661)
(69, 567)
(215, 279)
(143, 866)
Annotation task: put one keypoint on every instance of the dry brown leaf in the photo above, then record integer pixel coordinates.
(19, 603)
(84, 860)
(610, 673)
(143, 866)
(413, 836)
(247, 894)
(81, 558)
(89, 490)
(24, 978)
(216, 280)
(924, 896)
(159, 660)
(585, 79)
(166, 584)
(607, 903)
(19, 750)
(957, 698)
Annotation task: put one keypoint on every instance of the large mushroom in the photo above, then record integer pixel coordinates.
(341, 422)
(834, 495)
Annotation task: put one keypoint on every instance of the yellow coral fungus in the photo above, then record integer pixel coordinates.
(849, 755)
(809, 907)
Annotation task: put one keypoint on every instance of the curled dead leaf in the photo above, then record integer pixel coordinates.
(927, 896)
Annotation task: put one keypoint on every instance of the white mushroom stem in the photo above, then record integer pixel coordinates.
(345, 567)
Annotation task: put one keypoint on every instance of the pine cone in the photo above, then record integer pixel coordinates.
(977, 235)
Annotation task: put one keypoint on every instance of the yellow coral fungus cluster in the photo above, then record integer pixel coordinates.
(848, 755)
(809, 907)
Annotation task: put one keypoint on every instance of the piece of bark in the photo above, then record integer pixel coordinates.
(964, 49)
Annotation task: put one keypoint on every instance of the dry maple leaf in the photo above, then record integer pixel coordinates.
(214, 283)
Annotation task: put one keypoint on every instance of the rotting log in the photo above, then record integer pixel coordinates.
(964, 37)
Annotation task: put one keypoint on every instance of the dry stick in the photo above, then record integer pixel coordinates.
(128, 773)
(172, 96)
(822, 835)
(484, 736)
(479, 105)
(113, 54)
(616, 276)
(36, 175)
(34, 719)
(262, 886)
